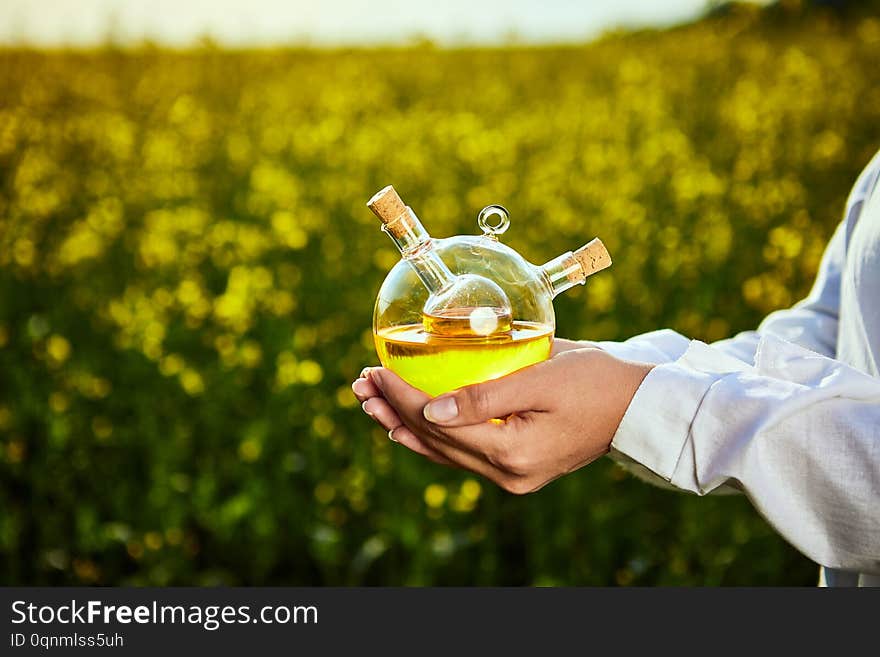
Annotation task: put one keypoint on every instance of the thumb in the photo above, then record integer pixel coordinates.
(523, 390)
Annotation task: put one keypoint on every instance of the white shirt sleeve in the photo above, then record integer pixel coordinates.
(798, 433)
(811, 323)
(771, 414)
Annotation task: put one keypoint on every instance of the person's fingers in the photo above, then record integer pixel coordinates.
(409, 402)
(401, 395)
(364, 389)
(528, 389)
(408, 439)
(472, 448)
(382, 412)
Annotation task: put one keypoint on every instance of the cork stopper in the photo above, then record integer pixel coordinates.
(592, 257)
(396, 217)
(387, 204)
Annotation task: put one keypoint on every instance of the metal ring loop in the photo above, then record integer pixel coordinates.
(488, 213)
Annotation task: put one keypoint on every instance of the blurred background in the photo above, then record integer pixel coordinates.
(187, 267)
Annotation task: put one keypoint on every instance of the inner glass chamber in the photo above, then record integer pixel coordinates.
(437, 364)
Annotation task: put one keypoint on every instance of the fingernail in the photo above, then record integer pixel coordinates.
(358, 387)
(391, 435)
(441, 410)
(364, 409)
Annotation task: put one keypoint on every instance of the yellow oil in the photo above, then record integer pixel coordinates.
(438, 364)
(468, 322)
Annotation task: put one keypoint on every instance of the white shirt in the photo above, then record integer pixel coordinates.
(788, 414)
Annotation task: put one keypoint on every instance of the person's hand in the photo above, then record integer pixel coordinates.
(558, 415)
(379, 410)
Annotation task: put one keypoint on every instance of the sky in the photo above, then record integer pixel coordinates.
(328, 22)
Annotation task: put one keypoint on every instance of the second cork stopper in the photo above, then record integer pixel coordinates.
(593, 256)
(586, 261)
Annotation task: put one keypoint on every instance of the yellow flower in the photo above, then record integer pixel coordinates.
(192, 382)
(309, 372)
(58, 349)
(435, 495)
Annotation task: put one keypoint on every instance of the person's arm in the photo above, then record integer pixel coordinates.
(798, 433)
(811, 323)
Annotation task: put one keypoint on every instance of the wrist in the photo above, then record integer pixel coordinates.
(633, 374)
(636, 373)
(561, 345)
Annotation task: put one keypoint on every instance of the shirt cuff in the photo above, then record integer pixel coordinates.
(656, 347)
(656, 425)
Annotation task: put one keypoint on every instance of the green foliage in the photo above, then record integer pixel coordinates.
(187, 272)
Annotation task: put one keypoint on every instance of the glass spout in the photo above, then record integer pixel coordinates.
(402, 225)
(570, 269)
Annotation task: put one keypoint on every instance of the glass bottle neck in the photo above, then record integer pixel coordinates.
(417, 248)
(571, 269)
(562, 272)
